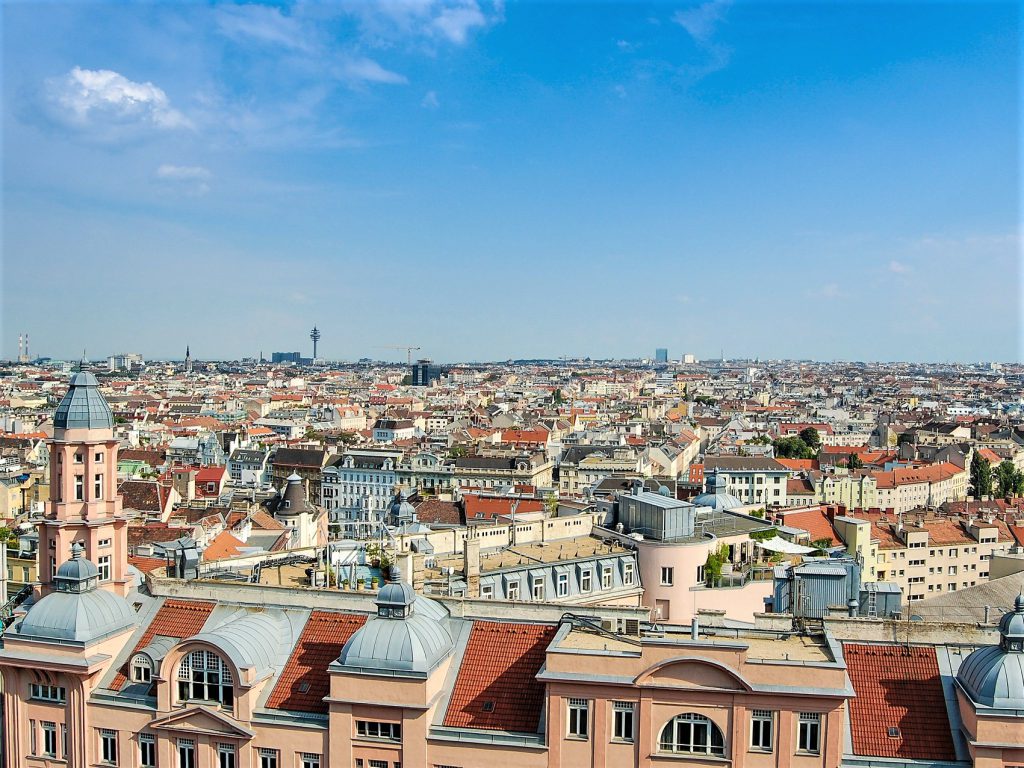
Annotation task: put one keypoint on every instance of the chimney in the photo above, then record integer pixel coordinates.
(694, 628)
(471, 565)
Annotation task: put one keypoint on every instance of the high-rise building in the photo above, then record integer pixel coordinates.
(285, 357)
(424, 373)
(661, 355)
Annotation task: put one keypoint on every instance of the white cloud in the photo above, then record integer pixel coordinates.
(101, 98)
(456, 22)
(364, 70)
(829, 291)
(386, 23)
(430, 100)
(182, 172)
(263, 24)
(899, 268)
(620, 91)
(186, 179)
(702, 20)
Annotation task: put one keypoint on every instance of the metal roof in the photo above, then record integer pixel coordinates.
(83, 407)
(82, 617)
(416, 643)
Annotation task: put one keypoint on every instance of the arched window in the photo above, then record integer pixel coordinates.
(692, 734)
(203, 676)
(142, 668)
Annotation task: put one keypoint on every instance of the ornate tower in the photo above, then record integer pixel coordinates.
(84, 506)
(188, 359)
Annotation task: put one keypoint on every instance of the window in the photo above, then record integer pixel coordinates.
(53, 693)
(622, 720)
(225, 756)
(487, 592)
(49, 738)
(538, 588)
(627, 574)
(606, 577)
(186, 753)
(761, 721)
(64, 740)
(666, 576)
(32, 737)
(692, 734)
(79, 487)
(370, 729)
(268, 758)
(147, 750)
(513, 590)
(809, 732)
(563, 584)
(104, 567)
(98, 457)
(79, 458)
(310, 760)
(586, 581)
(108, 746)
(701, 576)
(97, 488)
(203, 676)
(103, 543)
(579, 718)
(142, 669)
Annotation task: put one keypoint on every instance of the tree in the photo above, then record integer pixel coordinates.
(792, 448)
(705, 400)
(810, 437)
(760, 440)
(1010, 480)
(981, 476)
(556, 398)
(854, 462)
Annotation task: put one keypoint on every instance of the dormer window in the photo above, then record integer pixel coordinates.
(142, 668)
(204, 676)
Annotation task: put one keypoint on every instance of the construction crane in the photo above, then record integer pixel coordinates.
(408, 351)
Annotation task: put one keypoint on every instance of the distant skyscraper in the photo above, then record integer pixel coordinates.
(661, 355)
(424, 373)
(285, 357)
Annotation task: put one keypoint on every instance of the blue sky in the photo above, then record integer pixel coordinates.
(830, 181)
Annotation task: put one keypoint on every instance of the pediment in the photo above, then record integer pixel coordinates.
(693, 673)
(202, 720)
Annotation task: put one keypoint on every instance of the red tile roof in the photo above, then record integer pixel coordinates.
(304, 681)
(814, 521)
(497, 687)
(490, 507)
(898, 687)
(176, 618)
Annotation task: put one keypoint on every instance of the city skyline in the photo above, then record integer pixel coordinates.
(493, 181)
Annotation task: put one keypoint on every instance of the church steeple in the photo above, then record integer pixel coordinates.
(188, 359)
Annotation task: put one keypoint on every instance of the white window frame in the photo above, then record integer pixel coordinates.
(667, 575)
(108, 746)
(762, 730)
(147, 750)
(623, 721)
(808, 734)
(577, 718)
(49, 730)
